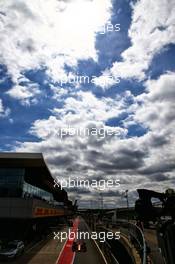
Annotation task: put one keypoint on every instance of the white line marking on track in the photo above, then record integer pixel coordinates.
(97, 244)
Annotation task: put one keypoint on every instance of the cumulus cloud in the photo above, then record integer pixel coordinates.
(154, 109)
(106, 80)
(138, 161)
(26, 93)
(86, 157)
(87, 106)
(149, 33)
(157, 109)
(48, 34)
(38, 35)
(81, 111)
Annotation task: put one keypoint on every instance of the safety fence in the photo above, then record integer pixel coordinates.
(136, 236)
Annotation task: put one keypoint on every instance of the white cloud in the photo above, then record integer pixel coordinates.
(58, 92)
(138, 161)
(38, 34)
(87, 106)
(106, 80)
(25, 93)
(82, 110)
(49, 33)
(4, 112)
(152, 28)
(157, 108)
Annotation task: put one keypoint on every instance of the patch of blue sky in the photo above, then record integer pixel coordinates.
(133, 86)
(136, 130)
(11, 132)
(162, 62)
(116, 121)
(5, 79)
(16, 126)
(40, 77)
(36, 75)
(45, 98)
(112, 44)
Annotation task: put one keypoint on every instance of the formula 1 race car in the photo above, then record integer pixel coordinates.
(79, 246)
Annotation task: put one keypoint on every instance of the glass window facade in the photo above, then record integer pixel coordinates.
(35, 192)
(12, 184)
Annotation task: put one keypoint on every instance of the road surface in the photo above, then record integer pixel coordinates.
(53, 251)
(45, 251)
(93, 255)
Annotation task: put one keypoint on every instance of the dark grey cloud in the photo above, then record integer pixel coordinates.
(159, 168)
(111, 193)
(78, 190)
(158, 140)
(61, 160)
(158, 177)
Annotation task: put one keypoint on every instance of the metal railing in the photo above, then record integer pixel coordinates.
(134, 233)
(113, 260)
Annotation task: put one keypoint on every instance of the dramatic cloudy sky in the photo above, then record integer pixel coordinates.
(43, 41)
